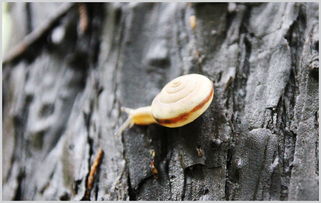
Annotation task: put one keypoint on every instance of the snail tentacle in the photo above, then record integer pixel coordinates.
(127, 110)
(127, 124)
(140, 116)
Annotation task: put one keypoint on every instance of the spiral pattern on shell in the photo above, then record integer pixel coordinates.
(182, 100)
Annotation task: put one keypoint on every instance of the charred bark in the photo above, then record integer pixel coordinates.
(63, 91)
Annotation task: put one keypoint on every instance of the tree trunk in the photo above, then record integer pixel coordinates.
(62, 96)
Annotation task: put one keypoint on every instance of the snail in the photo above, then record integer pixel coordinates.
(180, 102)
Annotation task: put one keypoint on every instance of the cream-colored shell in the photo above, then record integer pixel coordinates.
(183, 96)
(180, 102)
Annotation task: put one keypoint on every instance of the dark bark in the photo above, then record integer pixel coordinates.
(62, 97)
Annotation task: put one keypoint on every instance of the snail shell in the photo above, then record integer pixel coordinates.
(180, 102)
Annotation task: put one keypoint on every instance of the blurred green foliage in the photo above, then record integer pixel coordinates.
(6, 26)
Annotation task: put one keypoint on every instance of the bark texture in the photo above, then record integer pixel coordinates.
(61, 102)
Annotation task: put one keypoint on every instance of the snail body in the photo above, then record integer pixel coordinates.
(180, 102)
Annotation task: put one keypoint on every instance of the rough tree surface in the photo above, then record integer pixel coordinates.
(62, 98)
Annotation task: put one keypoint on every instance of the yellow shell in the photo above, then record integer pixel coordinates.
(182, 100)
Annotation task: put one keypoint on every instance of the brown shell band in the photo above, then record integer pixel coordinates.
(185, 116)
